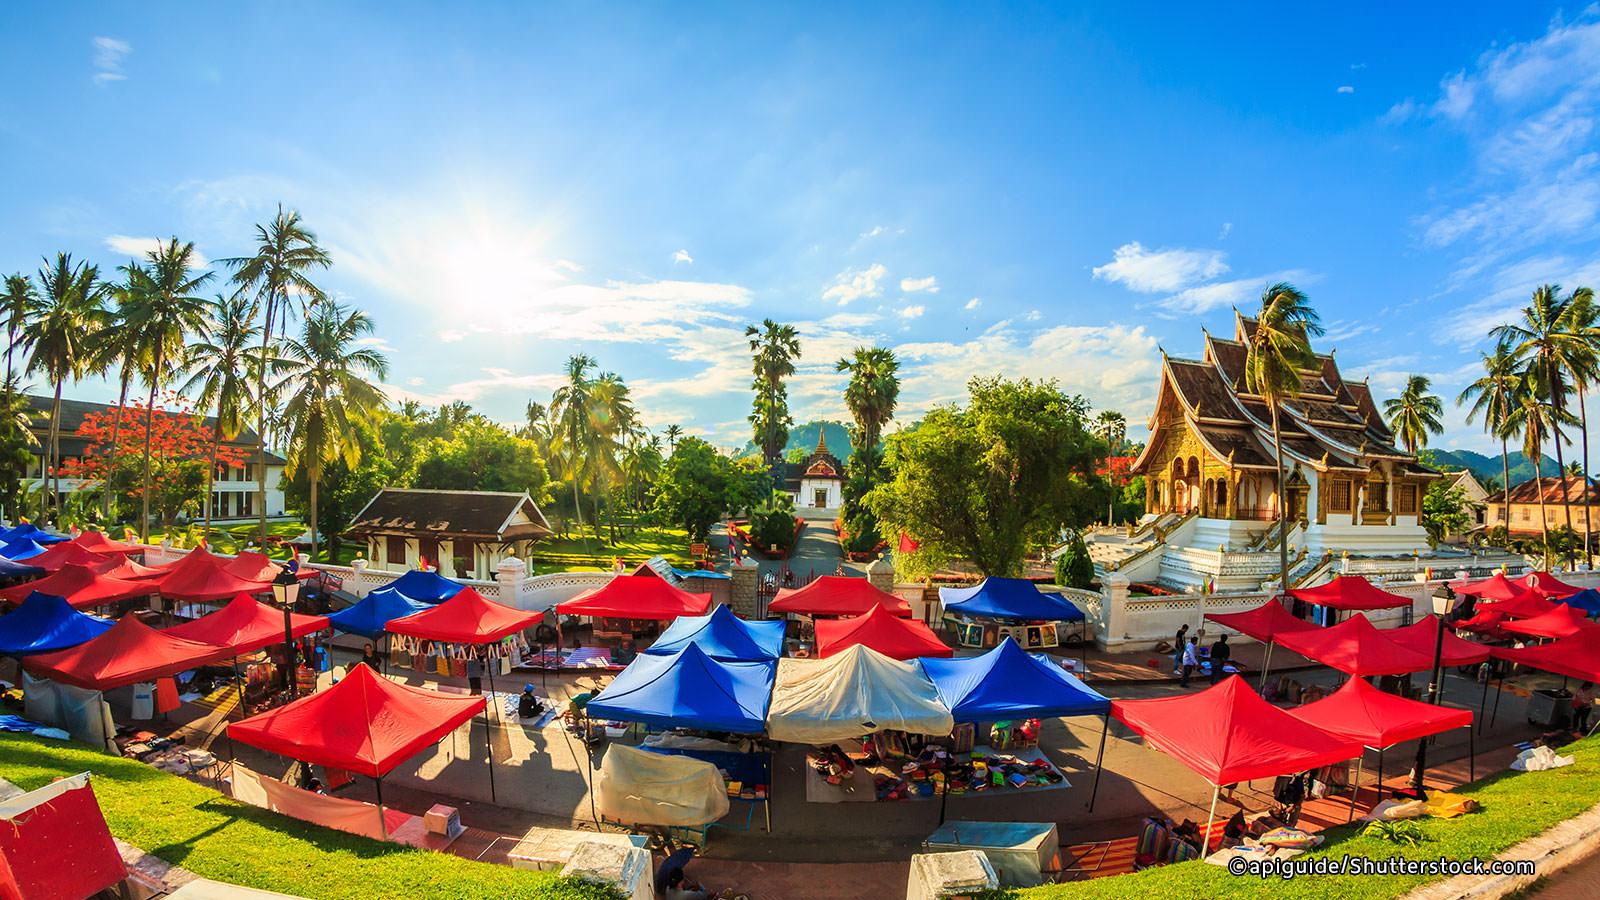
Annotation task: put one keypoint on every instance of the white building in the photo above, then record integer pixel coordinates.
(817, 483)
(464, 534)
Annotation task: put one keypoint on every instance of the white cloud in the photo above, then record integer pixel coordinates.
(109, 54)
(1224, 231)
(1153, 271)
(872, 233)
(1356, 67)
(974, 303)
(1346, 89)
(380, 344)
(853, 284)
(414, 382)
(682, 256)
(452, 335)
(917, 285)
(1206, 297)
(1033, 315)
(495, 381)
(139, 247)
(912, 312)
(567, 265)
(1404, 111)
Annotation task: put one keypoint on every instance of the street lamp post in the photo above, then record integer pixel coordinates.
(1444, 600)
(286, 590)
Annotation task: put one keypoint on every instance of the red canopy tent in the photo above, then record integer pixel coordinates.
(1227, 733)
(1264, 623)
(1485, 621)
(1350, 592)
(637, 597)
(252, 566)
(246, 625)
(1577, 656)
(1357, 648)
(128, 570)
(466, 618)
(82, 586)
(880, 630)
(1422, 634)
(1550, 586)
(1524, 607)
(55, 845)
(129, 652)
(1495, 587)
(200, 576)
(1563, 621)
(838, 595)
(98, 542)
(71, 553)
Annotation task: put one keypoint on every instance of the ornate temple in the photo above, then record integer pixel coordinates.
(818, 482)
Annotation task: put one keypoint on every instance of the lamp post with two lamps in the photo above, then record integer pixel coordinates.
(286, 592)
(1444, 601)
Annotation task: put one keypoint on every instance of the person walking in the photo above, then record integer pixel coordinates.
(1582, 703)
(1191, 660)
(1220, 654)
(1177, 648)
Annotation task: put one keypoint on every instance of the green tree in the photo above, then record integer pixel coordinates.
(1415, 413)
(481, 456)
(219, 364)
(286, 252)
(1581, 319)
(61, 340)
(16, 446)
(1496, 395)
(773, 348)
(344, 490)
(872, 393)
(19, 302)
(1277, 350)
(995, 479)
(1112, 427)
(698, 485)
(1535, 420)
(573, 408)
(1445, 511)
(674, 432)
(328, 401)
(1074, 568)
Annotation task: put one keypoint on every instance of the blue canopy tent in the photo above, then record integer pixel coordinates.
(1009, 598)
(368, 616)
(1587, 600)
(45, 622)
(32, 532)
(10, 568)
(20, 549)
(428, 587)
(723, 636)
(689, 689)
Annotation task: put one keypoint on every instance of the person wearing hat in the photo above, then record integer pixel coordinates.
(528, 705)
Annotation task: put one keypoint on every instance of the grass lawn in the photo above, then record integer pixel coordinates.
(1515, 806)
(196, 828)
(232, 538)
(557, 554)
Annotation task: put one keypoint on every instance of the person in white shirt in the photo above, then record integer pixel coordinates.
(1191, 659)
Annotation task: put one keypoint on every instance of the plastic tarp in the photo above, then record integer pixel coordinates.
(857, 692)
(21, 549)
(55, 844)
(1526, 606)
(45, 622)
(1355, 647)
(1361, 712)
(1587, 599)
(643, 788)
(1009, 598)
(837, 595)
(1227, 733)
(1010, 683)
(689, 689)
(366, 723)
(884, 632)
(10, 568)
(99, 542)
(428, 587)
(53, 558)
(82, 587)
(1574, 657)
(84, 714)
(1266, 622)
(32, 532)
(1563, 621)
(353, 816)
(1495, 587)
(1422, 634)
(201, 576)
(371, 614)
(637, 597)
(246, 625)
(129, 652)
(723, 636)
(1350, 592)
(466, 618)
(1549, 585)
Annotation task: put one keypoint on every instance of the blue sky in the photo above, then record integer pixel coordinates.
(1022, 190)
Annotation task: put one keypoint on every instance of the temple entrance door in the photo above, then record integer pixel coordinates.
(819, 498)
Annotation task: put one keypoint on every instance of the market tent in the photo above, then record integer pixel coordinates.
(1587, 600)
(55, 845)
(425, 585)
(723, 636)
(368, 616)
(884, 632)
(1549, 585)
(1350, 592)
(44, 623)
(20, 549)
(1574, 657)
(1563, 621)
(99, 542)
(689, 689)
(466, 618)
(854, 693)
(82, 586)
(252, 566)
(1485, 621)
(1010, 683)
(1357, 648)
(246, 625)
(637, 597)
(128, 570)
(1421, 636)
(1009, 598)
(1495, 587)
(201, 576)
(1227, 733)
(1360, 712)
(127, 653)
(365, 723)
(72, 553)
(1265, 623)
(1524, 607)
(837, 595)
(32, 532)
(10, 568)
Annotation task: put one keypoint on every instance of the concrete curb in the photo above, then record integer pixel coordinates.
(1552, 851)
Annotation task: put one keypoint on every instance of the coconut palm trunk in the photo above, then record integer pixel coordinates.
(211, 474)
(1588, 523)
(261, 422)
(1538, 480)
(1283, 506)
(1505, 475)
(55, 452)
(315, 477)
(149, 425)
(111, 454)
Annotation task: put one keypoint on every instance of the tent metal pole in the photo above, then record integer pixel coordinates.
(1205, 836)
(1099, 760)
(1355, 788)
(1483, 702)
(1472, 756)
(1380, 777)
(488, 734)
(1266, 666)
(1499, 685)
(383, 825)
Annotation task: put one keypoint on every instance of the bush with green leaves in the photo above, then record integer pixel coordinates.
(1073, 566)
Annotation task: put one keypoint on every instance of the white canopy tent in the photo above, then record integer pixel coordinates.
(853, 693)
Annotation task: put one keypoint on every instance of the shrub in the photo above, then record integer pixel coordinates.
(1073, 566)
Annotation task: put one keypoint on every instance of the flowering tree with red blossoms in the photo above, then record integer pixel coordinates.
(182, 448)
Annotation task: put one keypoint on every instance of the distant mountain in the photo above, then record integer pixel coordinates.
(804, 438)
(1485, 466)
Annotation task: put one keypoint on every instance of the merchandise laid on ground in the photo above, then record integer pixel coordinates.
(897, 766)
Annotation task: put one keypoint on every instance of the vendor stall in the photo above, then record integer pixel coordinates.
(630, 607)
(996, 608)
(1562, 621)
(45, 623)
(1496, 588)
(369, 615)
(1549, 586)
(21, 549)
(689, 689)
(201, 576)
(881, 630)
(1356, 648)
(1587, 600)
(723, 636)
(1348, 593)
(30, 532)
(127, 653)
(854, 693)
(424, 585)
(101, 543)
(640, 788)
(837, 595)
(243, 627)
(13, 570)
(1266, 623)
(73, 553)
(82, 587)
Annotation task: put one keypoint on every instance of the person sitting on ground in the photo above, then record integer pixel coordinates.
(528, 705)
(1582, 703)
(679, 887)
(1220, 654)
(370, 657)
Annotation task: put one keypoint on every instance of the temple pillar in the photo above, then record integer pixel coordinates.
(1233, 494)
(1393, 497)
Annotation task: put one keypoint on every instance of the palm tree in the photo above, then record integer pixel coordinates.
(164, 308)
(286, 251)
(1582, 319)
(774, 347)
(18, 304)
(1535, 420)
(573, 408)
(1112, 427)
(122, 348)
(1279, 349)
(873, 391)
(1497, 396)
(62, 337)
(328, 401)
(219, 363)
(673, 433)
(615, 424)
(1415, 413)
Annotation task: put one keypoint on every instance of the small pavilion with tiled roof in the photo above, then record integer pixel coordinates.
(819, 481)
